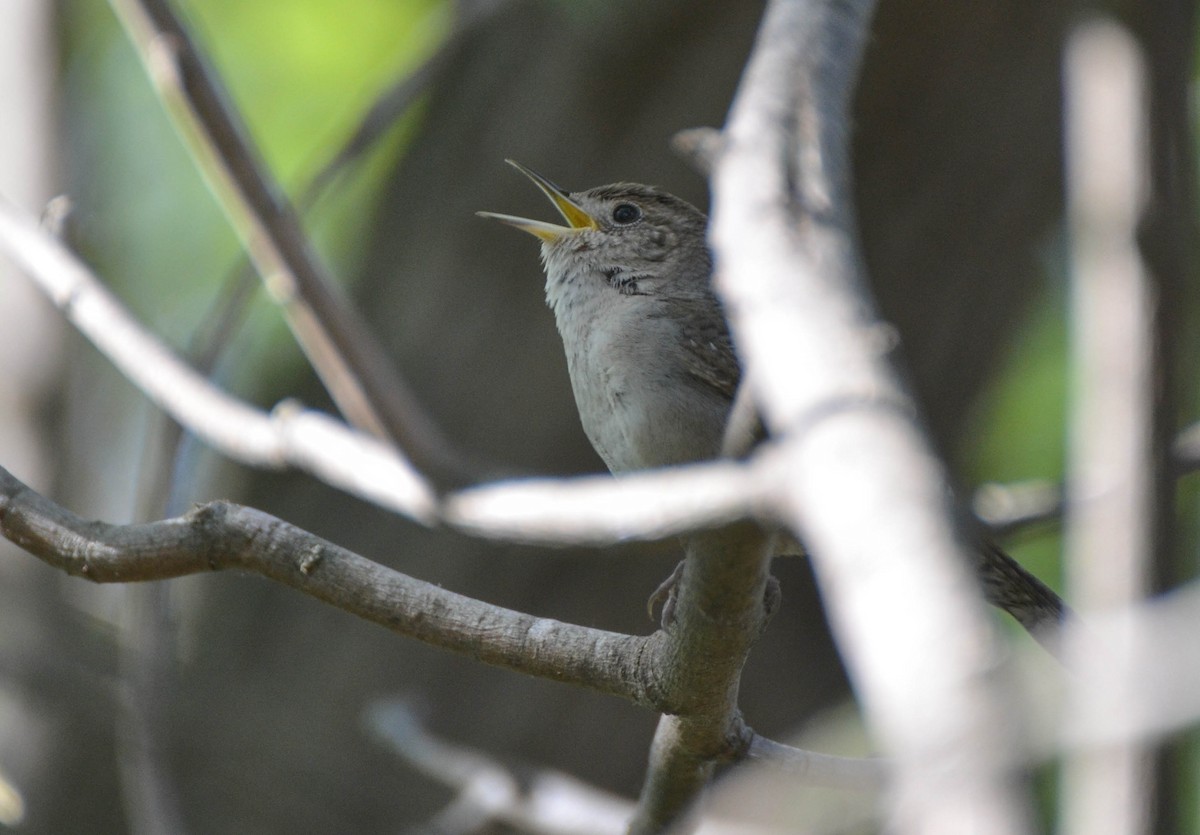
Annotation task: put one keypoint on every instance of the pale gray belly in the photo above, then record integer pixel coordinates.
(638, 417)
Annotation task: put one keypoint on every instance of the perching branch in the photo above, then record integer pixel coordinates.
(722, 604)
(691, 670)
(221, 536)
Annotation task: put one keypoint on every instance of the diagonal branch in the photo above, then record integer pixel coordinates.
(352, 365)
(355, 462)
(690, 672)
(221, 536)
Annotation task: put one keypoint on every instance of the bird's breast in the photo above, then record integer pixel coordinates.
(638, 407)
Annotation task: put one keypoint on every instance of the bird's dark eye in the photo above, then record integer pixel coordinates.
(626, 213)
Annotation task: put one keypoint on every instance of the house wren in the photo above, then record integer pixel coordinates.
(651, 362)
(649, 353)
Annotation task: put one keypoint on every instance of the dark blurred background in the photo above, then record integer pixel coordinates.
(957, 151)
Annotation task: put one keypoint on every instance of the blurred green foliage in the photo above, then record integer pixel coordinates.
(1019, 429)
(301, 73)
(1022, 418)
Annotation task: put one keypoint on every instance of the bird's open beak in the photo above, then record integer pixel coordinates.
(570, 210)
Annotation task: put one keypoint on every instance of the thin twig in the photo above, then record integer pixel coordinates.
(699, 147)
(1007, 508)
(215, 332)
(545, 801)
(489, 792)
(353, 366)
(816, 769)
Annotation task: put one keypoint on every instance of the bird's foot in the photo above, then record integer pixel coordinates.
(665, 594)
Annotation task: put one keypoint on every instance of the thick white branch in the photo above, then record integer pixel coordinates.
(863, 485)
(600, 510)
